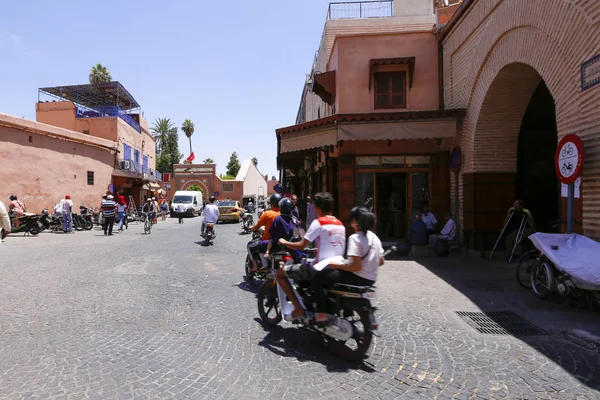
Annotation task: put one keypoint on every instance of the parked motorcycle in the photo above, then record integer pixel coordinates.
(28, 224)
(567, 265)
(350, 309)
(209, 234)
(247, 222)
(87, 215)
(53, 222)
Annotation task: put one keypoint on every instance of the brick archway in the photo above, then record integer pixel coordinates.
(191, 182)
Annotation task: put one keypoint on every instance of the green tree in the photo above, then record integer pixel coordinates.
(196, 188)
(226, 177)
(188, 128)
(255, 161)
(273, 178)
(99, 74)
(209, 161)
(167, 144)
(160, 130)
(233, 167)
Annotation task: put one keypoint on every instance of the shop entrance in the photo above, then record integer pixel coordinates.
(394, 187)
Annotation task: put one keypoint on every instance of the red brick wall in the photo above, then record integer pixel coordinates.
(553, 38)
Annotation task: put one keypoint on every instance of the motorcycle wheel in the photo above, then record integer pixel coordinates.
(33, 229)
(268, 303)
(542, 279)
(356, 347)
(78, 224)
(526, 263)
(88, 225)
(247, 267)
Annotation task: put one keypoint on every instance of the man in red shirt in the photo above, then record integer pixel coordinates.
(266, 219)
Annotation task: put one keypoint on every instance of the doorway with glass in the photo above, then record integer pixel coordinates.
(394, 187)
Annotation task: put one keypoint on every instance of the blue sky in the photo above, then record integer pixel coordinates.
(236, 68)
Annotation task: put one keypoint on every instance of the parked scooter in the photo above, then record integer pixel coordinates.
(52, 222)
(349, 306)
(567, 265)
(28, 224)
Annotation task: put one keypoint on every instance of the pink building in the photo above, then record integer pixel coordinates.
(370, 125)
(43, 163)
(110, 112)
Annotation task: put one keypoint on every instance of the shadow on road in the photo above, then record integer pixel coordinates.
(493, 288)
(305, 345)
(252, 286)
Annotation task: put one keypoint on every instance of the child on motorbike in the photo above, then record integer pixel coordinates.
(364, 252)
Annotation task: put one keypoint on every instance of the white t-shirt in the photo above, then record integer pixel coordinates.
(121, 207)
(370, 248)
(67, 205)
(429, 220)
(329, 233)
(181, 208)
(211, 214)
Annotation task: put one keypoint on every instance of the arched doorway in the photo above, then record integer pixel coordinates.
(537, 183)
(513, 145)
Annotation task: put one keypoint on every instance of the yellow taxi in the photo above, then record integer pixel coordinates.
(230, 210)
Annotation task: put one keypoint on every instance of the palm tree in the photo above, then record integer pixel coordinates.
(208, 161)
(255, 161)
(188, 128)
(161, 128)
(99, 74)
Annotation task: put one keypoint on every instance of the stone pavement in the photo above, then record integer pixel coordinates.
(159, 316)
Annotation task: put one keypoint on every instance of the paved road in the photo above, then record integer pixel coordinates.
(159, 316)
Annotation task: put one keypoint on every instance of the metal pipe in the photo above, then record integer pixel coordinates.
(571, 209)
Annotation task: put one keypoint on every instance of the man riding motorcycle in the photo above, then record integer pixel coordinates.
(210, 213)
(329, 234)
(266, 219)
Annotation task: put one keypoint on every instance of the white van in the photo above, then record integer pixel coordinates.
(192, 201)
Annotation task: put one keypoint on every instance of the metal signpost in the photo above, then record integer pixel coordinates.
(455, 164)
(569, 164)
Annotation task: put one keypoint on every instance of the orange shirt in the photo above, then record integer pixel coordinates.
(266, 220)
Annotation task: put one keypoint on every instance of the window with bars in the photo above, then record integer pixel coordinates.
(90, 177)
(126, 152)
(390, 89)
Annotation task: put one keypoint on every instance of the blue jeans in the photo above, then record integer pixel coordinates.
(67, 222)
(121, 216)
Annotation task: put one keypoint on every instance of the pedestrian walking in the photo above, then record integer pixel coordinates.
(157, 208)
(121, 207)
(4, 222)
(164, 209)
(180, 212)
(67, 213)
(108, 211)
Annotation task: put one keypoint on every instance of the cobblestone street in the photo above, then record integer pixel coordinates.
(160, 316)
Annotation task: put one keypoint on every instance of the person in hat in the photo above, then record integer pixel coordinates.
(67, 213)
(109, 208)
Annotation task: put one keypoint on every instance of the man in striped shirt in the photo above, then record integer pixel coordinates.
(108, 210)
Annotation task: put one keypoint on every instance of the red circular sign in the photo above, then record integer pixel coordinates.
(455, 159)
(569, 159)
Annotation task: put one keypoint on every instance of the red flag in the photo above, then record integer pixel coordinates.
(191, 157)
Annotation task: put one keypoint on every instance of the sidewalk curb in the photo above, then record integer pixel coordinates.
(583, 339)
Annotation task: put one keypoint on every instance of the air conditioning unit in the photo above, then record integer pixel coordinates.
(126, 165)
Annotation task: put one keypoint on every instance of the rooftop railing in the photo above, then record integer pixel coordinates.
(360, 9)
(113, 111)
